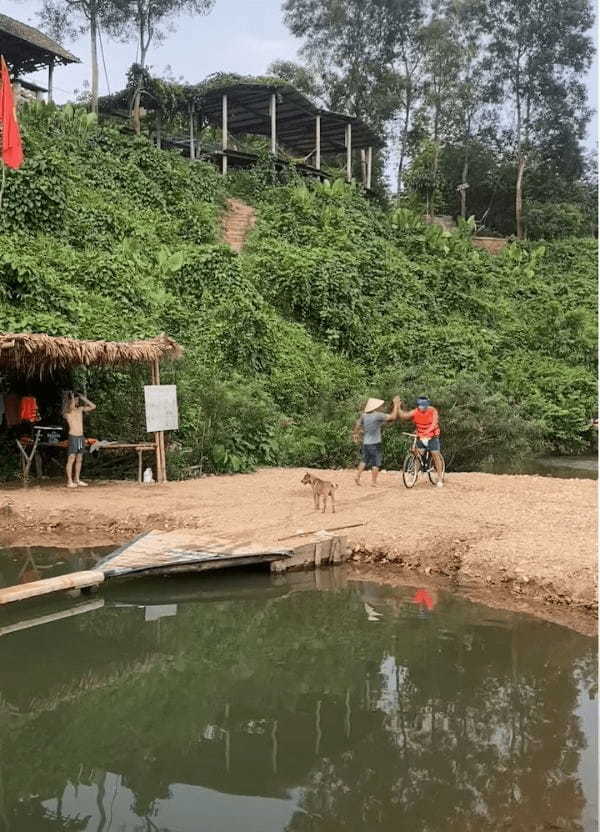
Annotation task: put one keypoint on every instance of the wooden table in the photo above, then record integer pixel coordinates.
(140, 447)
(36, 444)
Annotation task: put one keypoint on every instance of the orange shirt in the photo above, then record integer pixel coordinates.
(426, 422)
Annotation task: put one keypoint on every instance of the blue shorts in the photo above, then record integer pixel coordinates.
(76, 445)
(432, 445)
(371, 455)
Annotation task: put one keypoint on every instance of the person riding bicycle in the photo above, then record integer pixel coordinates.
(427, 426)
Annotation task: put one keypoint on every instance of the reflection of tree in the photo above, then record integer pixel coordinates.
(30, 815)
(433, 723)
(472, 742)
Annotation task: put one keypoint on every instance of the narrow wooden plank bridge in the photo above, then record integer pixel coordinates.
(182, 551)
(154, 553)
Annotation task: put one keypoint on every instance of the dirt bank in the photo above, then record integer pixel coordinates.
(531, 537)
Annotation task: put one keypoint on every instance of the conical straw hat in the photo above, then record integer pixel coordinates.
(373, 404)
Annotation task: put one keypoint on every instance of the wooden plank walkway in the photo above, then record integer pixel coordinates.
(155, 553)
(184, 550)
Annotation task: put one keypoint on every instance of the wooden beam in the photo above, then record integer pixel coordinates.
(50, 79)
(156, 439)
(318, 141)
(224, 130)
(74, 580)
(369, 166)
(160, 435)
(192, 143)
(349, 152)
(274, 124)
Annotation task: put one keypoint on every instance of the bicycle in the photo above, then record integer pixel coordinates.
(419, 461)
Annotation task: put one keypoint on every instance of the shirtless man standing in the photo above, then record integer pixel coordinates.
(73, 412)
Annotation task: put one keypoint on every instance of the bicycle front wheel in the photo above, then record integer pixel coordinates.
(410, 470)
(433, 474)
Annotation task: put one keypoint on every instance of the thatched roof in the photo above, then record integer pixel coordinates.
(27, 49)
(33, 354)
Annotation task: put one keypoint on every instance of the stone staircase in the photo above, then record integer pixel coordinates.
(237, 223)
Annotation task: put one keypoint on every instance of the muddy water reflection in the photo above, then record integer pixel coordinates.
(263, 705)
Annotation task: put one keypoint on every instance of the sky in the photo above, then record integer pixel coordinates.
(242, 36)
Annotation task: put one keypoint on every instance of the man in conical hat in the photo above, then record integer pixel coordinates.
(370, 423)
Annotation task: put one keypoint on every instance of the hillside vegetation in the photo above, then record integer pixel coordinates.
(334, 298)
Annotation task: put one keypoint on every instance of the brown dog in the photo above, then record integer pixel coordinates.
(321, 488)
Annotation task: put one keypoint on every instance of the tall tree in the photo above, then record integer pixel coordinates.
(150, 21)
(442, 64)
(538, 51)
(347, 49)
(69, 18)
(404, 20)
(464, 28)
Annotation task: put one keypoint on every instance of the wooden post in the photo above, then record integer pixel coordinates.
(159, 435)
(156, 435)
(158, 130)
(369, 166)
(224, 139)
(192, 144)
(349, 152)
(318, 142)
(50, 79)
(274, 124)
(363, 166)
(163, 455)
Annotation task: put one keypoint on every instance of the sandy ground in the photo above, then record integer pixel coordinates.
(533, 537)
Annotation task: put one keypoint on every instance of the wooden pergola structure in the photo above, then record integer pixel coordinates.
(31, 355)
(26, 49)
(287, 118)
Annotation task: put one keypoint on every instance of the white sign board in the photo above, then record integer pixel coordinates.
(161, 407)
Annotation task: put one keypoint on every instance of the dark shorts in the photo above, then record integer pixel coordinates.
(432, 445)
(76, 445)
(371, 455)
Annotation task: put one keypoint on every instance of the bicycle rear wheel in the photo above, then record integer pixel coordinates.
(433, 474)
(410, 470)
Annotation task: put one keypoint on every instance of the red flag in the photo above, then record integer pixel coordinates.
(12, 147)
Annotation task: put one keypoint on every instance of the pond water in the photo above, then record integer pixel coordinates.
(562, 467)
(302, 703)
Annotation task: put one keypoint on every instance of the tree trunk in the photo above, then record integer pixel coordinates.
(94, 56)
(404, 140)
(519, 197)
(136, 118)
(465, 170)
(463, 191)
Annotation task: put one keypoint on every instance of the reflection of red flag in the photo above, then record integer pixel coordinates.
(423, 597)
(12, 148)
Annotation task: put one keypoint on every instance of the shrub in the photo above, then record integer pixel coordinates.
(555, 220)
(334, 298)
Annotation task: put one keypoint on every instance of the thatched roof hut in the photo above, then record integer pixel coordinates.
(38, 354)
(27, 49)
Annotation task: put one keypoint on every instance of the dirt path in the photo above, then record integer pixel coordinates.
(532, 536)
